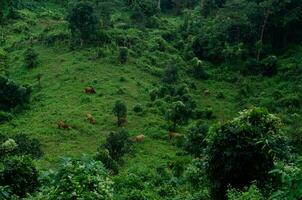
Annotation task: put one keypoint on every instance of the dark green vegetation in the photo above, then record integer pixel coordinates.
(167, 99)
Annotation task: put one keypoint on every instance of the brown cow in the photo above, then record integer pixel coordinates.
(90, 90)
(139, 138)
(91, 119)
(63, 125)
(174, 135)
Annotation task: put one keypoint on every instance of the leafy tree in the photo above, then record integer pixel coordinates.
(20, 175)
(251, 193)
(30, 58)
(196, 135)
(243, 150)
(117, 143)
(120, 111)
(177, 114)
(82, 178)
(83, 22)
(12, 94)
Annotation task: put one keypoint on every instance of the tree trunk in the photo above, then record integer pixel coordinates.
(159, 5)
(262, 35)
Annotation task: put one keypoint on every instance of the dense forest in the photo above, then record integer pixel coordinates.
(151, 100)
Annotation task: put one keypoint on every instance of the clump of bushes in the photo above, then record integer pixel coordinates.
(195, 139)
(82, 178)
(244, 150)
(19, 174)
(12, 94)
(138, 108)
(117, 144)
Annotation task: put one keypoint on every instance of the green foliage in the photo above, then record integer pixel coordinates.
(195, 143)
(252, 193)
(243, 150)
(20, 175)
(170, 75)
(177, 113)
(117, 143)
(138, 108)
(123, 55)
(30, 58)
(83, 22)
(290, 176)
(20, 145)
(5, 116)
(12, 94)
(104, 156)
(82, 178)
(198, 70)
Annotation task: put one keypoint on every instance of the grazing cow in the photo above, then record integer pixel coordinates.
(207, 93)
(139, 138)
(63, 125)
(91, 119)
(174, 135)
(90, 90)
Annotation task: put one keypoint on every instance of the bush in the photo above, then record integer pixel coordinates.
(243, 150)
(27, 146)
(20, 145)
(82, 178)
(5, 116)
(20, 175)
(123, 55)
(12, 94)
(117, 143)
(195, 143)
(269, 66)
(104, 156)
(30, 58)
(138, 108)
(251, 193)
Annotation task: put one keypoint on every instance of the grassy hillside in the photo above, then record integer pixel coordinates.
(66, 70)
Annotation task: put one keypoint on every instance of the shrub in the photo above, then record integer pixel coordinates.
(138, 108)
(83, 22)
(30, 58)
(243, 150)
(20, 175)
(120, 111)
(27, 146)
(195, 143)
(117, 143)
(269, 66)
(251, 193)
(5, 116)
(12, 94)
(123, 55)
(104, 156)
(82, 178)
